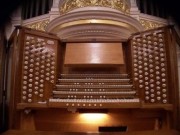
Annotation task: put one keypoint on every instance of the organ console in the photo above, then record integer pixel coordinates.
(144, 88)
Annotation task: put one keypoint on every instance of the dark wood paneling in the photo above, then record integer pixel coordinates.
(3, 117)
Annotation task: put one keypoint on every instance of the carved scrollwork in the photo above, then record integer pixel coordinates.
(69, 5)
(39, 25)
(149, 24)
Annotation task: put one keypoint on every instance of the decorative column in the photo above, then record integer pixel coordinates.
(54, 12)
(134, 11)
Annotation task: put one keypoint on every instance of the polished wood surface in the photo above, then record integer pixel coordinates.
(93, 54)
(165, 132)
(34, 75)
(66, 121)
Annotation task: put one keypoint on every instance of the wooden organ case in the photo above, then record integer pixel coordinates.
(46, 95)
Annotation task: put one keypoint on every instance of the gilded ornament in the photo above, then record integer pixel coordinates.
(149, 24)
(39, 25)
(69, 5)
